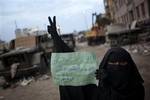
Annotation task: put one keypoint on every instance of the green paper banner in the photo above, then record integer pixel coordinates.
(73, 69)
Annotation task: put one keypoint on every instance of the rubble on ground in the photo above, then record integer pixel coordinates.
(22, 82)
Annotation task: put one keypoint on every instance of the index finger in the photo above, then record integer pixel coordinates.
(54, 20)
(50, 20)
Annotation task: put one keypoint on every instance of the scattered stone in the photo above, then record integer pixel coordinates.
(6, 85)
(2, 98)
(135, 51)
(44, 77)
(2, 81)
(26, 82)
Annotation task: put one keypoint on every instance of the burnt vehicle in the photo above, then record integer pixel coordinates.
(69, 40)
(118, 34)
(32, 53)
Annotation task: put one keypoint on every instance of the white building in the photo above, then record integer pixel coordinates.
(29, 32)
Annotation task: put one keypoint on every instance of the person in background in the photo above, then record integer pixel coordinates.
(87, 92)
(118, 77)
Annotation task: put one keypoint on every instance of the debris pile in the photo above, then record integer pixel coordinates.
(141, 49)
(22, 82)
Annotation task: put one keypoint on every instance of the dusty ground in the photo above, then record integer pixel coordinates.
(39, 90)
(46, 90)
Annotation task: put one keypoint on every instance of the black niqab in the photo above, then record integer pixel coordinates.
(121, 82)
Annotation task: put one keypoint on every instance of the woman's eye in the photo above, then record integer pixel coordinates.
(113, 63)
(123, 63)
(118, 63)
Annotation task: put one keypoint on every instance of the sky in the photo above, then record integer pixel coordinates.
(70, 15)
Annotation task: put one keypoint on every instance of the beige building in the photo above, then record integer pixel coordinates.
(109, 8)
(126, 11)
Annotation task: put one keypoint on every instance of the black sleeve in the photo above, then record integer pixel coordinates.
(59, 44)
(141, 93)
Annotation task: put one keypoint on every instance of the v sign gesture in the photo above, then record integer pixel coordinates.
(59, 44)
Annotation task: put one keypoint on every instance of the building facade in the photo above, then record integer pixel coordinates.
(127, 11)
(29, 32)
(109, 9)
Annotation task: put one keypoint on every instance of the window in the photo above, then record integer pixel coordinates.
(123, 19)
(127, 17)
(143, 9)
(131, 16)
(120, 3)
(138, 12)
(129, 1)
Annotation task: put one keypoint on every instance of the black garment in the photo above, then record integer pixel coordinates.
(87, 92)
(119, 81)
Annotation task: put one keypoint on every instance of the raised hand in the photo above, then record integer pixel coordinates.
(52, 29)
(59, 44)
(100, 75)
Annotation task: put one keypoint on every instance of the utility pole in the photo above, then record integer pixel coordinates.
(16, 24)
(93, 14)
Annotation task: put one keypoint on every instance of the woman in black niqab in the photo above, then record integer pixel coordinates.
(86, 92)
(119, 78)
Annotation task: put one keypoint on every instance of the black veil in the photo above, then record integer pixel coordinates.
(136, 75)
(136, 89)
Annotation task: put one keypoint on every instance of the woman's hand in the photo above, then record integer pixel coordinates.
(52, 29)
(100, 74)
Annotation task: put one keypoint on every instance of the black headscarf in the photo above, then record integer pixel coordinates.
(119, 81)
